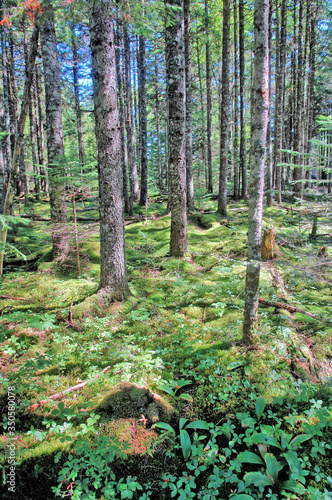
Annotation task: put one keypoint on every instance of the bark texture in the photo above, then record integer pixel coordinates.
(176, 95)
(224, 111)
(143, 121)
(189, 111)
(243, 153)
(257, 158)
(81, 149)
(113, 276)
(55, 141)
(208, 101)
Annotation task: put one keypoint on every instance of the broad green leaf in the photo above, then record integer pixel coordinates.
(292, 461)
(249, 458)
(272, 466)
(257, 479)
(164, 426)
(185, 443)
(179, 384)
(166, 388)
(264, 439)
(260, 406)
(234, 365)
(187, 397)
(293, 486)
(242, 496)
(198, 424)
(299, 440)
(182, 422)
(248, 422)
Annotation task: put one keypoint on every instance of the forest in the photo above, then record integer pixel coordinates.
(165, 249)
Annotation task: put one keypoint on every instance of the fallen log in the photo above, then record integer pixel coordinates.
(289, 308)
(66, 391)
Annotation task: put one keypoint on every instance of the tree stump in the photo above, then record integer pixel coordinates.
(267, 249)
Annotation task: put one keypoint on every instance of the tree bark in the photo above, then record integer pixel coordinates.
(124, 156)
(133, 182)
(243, 152)
(40, 132)
(298, 170)
(257, 157)
(225, 111)
(189, 112)
(236, 108)
(80, 138)
(113, 276)
(269, 155)
(160, 167)
(202, 134)
(143, 121)
(176, 94)
(208, 101)
(8, 204)
(55, 141)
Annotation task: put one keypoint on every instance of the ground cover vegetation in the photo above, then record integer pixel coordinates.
(165, 250)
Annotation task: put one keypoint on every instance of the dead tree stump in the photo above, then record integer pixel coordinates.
(267, 249)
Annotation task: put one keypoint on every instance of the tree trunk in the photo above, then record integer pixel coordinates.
(7, 150)
(143, 121)
(160, 167)
(298, 170)
(225, 111)
(243, 152)
(8, 204)
(257, 157)
(189, 112)
(32, 121)
(177, 163)
(202, 135)
(55, 141)
(81, 150)
(269, 156)
(124, 156)
(113, 276)
(208, 102)
(236, 108)
(133, 182)
(40, 132)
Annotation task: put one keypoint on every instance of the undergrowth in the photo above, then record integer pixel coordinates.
(173, 406)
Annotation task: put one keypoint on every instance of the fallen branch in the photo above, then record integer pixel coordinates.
(70, 389)
(10, 297)
(287, 307)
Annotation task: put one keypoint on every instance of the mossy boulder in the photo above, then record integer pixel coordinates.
(133, 401)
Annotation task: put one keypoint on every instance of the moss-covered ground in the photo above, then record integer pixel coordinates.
(179, 332)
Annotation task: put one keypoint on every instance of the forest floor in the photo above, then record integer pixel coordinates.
(169, 355)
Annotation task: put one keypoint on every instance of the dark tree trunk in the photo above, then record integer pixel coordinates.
(269, 156)
(298, 170)
(236, 108)
(225, 110)
(32, 122)
(257, 157)
(208, 102)
(243, 152)
(124, 158)
(80, 138)
(133, 181)
(113, 277)
(175, 67)
(7, 150)
(55, 141)
(8, 203)
(160, 167)
(40, 132)
(202, 134)
(143, 121)
(189, 112)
